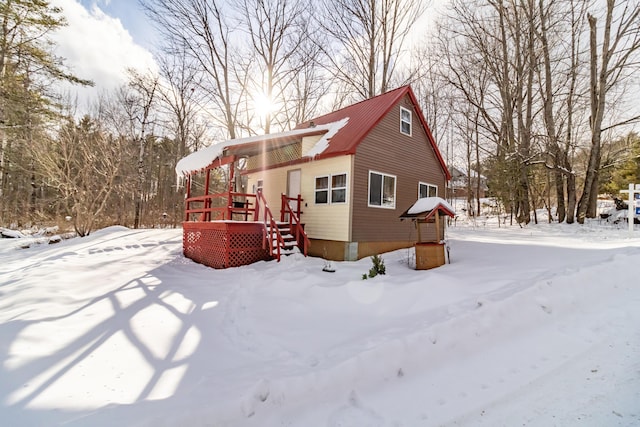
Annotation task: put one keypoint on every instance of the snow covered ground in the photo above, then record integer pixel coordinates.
(537, 327)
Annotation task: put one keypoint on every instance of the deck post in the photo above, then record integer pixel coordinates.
(232, 177)
(207, 201)
(256, 213)
(187, 196)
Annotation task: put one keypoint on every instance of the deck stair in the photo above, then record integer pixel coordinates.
(282, 237)
(288, 242)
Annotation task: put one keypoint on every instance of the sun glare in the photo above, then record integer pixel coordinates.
(263, 105)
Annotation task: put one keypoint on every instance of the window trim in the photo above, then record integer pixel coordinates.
(410, 122)
(395, 190)
(330, 188)
(316, 190)
(421, 183)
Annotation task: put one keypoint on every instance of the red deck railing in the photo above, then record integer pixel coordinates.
(272, 235)
(294, 221)
(228, 206)
(250, 207)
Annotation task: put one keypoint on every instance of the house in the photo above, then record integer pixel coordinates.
(461, 183)
(340, 180)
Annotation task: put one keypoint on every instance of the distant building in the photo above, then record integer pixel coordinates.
(461, 182)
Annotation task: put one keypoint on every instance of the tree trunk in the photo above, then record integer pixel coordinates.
(559, 183)
(139, 188)
(597, 92)
(571, 198)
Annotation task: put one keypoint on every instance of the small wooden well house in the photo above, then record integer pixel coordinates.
(429, 214)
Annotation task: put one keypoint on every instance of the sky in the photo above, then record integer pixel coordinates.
(119, 328)
(102, 39)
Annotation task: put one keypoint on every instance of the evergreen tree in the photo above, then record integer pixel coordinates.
(28, 67)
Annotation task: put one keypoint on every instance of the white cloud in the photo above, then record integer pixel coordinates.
(97, 47)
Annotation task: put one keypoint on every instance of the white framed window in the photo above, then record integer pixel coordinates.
(322, 190)
(331, 189)
(405, 121)
(382, 190)
(339, 188)
(427, 190)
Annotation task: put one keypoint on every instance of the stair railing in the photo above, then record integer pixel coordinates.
(271, 228)
(294, 221)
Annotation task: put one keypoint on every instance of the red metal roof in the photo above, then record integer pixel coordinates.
(363, 117)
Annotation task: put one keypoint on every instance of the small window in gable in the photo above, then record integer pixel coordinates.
(427, 190)
(382, 190)
(405, 121)
(322, 190)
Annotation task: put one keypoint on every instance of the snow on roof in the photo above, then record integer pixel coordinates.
(427, 204)
(200, 159)
(323, 142)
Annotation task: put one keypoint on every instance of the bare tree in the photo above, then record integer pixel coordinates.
(366, 41)
(618, 55)
(301, 98)
(208, 36)
(561, 68)
(138, 101)
(277, 30)
(179, 105)
(180, 100)
(28, 67)
(492, 58)
(81, 163)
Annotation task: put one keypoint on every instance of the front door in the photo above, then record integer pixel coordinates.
(293, 188)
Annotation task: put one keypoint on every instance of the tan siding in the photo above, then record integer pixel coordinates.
(328, 222)
(274, 184)
(308, 142)
(410, 158)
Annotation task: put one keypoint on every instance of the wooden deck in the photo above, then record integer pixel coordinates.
(233, 229)
(224, 244)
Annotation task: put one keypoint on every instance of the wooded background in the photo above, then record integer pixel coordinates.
(537, 96)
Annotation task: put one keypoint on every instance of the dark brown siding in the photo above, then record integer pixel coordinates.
(410, 158)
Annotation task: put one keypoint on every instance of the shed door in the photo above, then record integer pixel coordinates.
(293, 187)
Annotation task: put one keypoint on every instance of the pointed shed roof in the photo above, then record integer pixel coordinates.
(426, 207)
(363, 117)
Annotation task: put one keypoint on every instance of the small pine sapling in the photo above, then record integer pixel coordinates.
(378, 267)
